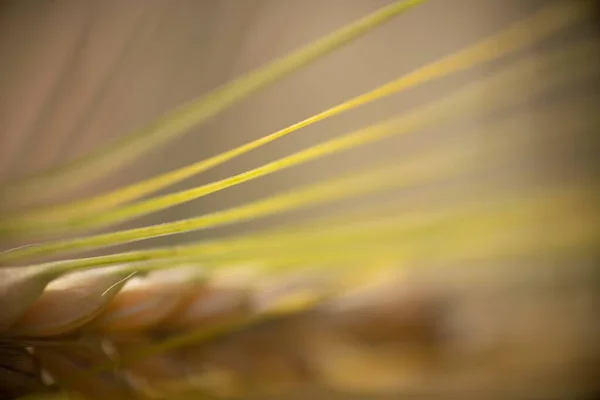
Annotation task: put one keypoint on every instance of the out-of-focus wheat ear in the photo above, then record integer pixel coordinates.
(72, 366)
(263, 359)
(20, 287)
(289, 292)
(380, 335)
(521, 34)
(19, 372)
(224, 297)
(479, 235)
(125, 150)
(149, 376)
(70, 301)
(235, 298)
(144, 302)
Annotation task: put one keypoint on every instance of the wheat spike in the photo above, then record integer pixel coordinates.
(452, 256)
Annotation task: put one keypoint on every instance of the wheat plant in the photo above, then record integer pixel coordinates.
(451, 255)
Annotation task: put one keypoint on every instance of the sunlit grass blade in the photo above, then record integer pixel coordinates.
(520, 35)
(126, 149)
